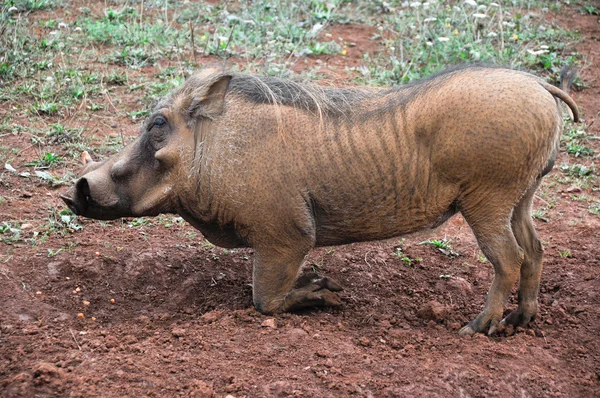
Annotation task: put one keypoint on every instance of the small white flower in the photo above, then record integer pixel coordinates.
(62, 25)
(544, 47)
(494, 5)
(316, 29)
(542, 28)
(77, 29)
(12, 9)
(430, 19)
(49, 79)
(472, 3)
(426, 5)
(54, 32)
(442, 39)
(480, 16)
(415, 4)
(538, 52)
(429, 44)
(492, 34)
(456, 9)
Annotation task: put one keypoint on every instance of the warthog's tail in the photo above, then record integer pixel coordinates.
(567, 76)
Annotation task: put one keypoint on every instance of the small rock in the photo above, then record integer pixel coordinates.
(143, 319)
(480, 337)
(269, 323)
(46, 373)
(573, 189)
(211, 316)
(365, 342)
(178, 332)
(531, 332)
(26, 226)
(460, 285)
(297, 333)
(453, 326)
(433, 310)
(26, 194)
(201, 390)
(510, 330)
(385, 324)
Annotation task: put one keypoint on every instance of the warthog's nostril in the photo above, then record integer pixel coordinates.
(83, 192)
(70, 203)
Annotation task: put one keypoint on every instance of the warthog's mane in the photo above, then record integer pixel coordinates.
(325, 101)
(330, 101)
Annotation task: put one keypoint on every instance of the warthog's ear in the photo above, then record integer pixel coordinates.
(86, 158)
(209, 101)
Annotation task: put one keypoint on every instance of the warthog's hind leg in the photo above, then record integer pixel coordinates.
(491, 226)
(531, 270)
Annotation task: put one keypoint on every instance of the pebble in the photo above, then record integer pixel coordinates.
(433, 310)
(297, 333)
(269, 323)
(211, 316)
(461, 286)
(178, 332)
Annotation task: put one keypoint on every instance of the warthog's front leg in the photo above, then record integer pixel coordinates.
(275, 288)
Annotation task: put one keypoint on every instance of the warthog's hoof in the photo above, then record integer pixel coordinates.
(312, 291)
(484, 321)
(317, 282)
(519, 317)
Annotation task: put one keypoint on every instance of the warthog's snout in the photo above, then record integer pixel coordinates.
(94, 196)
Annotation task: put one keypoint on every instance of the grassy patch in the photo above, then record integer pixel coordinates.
(443, 245)
(422, 38)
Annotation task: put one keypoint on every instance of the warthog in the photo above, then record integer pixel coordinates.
(283, 167)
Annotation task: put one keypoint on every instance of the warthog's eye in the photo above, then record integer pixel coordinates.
(159, 121)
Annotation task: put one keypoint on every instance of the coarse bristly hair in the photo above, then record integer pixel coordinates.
(329, 101)
(324, 102)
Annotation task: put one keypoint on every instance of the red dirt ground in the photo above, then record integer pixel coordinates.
(182, 323)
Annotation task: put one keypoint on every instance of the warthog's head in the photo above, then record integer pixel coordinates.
(144, 179)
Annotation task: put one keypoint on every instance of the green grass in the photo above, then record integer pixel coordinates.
(31, 5)
(443, 245)
(46, 160)
(419, 41)
(574, 139)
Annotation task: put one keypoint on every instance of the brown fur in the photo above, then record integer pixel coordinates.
(283, 167)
